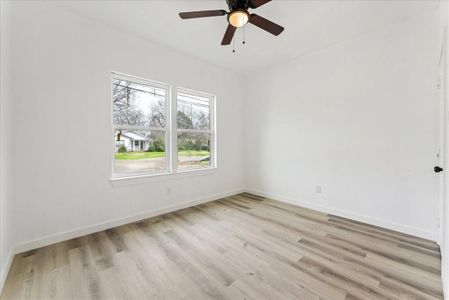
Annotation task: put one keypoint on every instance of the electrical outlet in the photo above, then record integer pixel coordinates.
(318, 189)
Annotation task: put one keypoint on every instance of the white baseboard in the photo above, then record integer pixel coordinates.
(63, 236)
(5, 270)
(433, 236)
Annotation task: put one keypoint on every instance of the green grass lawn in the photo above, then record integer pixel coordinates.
(149, 155)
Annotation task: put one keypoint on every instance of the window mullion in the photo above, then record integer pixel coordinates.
(143, 128)
(194, 130)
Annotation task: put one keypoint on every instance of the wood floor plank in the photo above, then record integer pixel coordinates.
(240, 247)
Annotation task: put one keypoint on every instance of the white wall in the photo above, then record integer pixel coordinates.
(359, 119)
(2, 150)
(60, 79)
(5, 220)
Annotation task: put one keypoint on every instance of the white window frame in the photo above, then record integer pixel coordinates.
(166, 129)
(212, 130)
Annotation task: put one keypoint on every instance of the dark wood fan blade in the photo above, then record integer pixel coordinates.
(265, 24)
(202, 14)
(229, 34)
(257, 3)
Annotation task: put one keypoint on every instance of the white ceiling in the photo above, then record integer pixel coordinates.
(309, 25)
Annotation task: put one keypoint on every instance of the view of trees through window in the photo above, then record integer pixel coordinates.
(142, 126)
(139, 113)
(194, 131)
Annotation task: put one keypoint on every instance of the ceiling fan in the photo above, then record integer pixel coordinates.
(238, 16)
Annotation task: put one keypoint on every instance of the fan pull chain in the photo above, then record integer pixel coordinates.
(244, 42)
(233, 45)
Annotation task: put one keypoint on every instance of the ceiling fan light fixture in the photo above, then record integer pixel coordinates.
(238, 18)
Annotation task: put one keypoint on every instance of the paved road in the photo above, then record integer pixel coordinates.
(152, 164)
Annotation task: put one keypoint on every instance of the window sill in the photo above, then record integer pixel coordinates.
(148, 178)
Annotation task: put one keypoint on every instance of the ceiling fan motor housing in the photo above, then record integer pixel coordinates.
(238, 4)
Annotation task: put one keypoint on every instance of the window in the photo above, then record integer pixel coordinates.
(141, 126)
(148, 141)
(195, 130)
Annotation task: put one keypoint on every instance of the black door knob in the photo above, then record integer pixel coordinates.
(438, 169)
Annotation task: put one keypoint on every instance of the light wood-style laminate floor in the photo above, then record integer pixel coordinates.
(240, 247)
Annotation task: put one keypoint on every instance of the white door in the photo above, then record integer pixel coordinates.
(440, 162)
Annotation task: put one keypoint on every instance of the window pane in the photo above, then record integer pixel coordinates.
(139, 151)
(193, 150)
(193, 112)
(137, 104)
